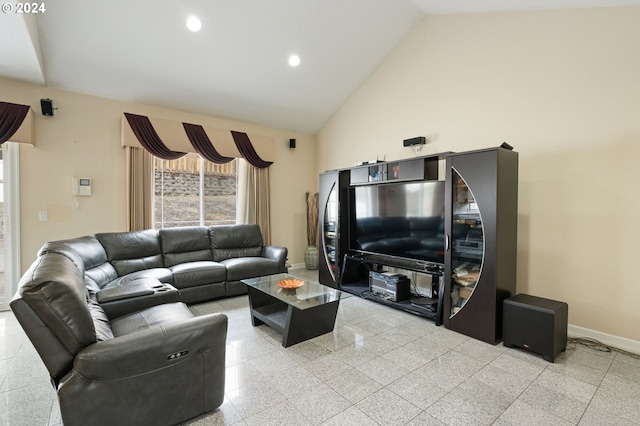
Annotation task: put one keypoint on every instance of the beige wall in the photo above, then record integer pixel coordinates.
(83, 140)
(562, 87)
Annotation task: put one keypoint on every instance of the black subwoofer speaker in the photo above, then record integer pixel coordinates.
(535, 324)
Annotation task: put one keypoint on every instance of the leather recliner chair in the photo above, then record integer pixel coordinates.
(157, 366)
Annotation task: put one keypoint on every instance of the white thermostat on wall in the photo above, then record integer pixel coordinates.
(81, 187)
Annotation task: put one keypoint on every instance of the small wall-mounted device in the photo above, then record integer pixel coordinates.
(415, 143)
(81, 187)
(420, 140)
(292, 143)
(47, 107)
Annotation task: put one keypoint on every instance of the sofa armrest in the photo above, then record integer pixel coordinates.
(154, 348)
(131, 301)
(134, 289)
(276, 253)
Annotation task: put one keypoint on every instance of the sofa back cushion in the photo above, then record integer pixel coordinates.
(185, 244)
(231, 241)
(132, 251)
(97, 269)
(61, 247)
(54, 289)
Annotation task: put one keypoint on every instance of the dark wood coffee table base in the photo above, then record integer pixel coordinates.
(295, 325)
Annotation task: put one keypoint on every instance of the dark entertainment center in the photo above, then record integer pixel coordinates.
(434, 235)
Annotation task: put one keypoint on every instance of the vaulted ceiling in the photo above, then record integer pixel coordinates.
(236, 66)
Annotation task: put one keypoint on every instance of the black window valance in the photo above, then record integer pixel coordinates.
(11, 118)
(148, 137)
(247, 151)
(202, 144)
(170, 140)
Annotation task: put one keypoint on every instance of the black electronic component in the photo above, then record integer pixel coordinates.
(420, 140)
(395, 287)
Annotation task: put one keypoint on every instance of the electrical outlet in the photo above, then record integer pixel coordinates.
(43, 216)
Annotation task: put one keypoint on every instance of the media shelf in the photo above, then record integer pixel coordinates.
(467, 244)
(481, 226)
(407, 306)
(355, 280)
(274, 315)
(333, 211)
(456, 212)
(423, 168)
(335, 203)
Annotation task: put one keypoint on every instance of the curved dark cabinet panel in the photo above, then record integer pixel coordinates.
(332, 195)
(481, 198)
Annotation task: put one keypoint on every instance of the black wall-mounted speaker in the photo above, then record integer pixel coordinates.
(420, 140)
(292, 143)
(47, 107)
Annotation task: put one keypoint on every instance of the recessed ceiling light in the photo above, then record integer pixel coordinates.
(294, 60)
(194, 24)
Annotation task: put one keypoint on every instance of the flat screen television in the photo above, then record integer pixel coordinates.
(401, 219)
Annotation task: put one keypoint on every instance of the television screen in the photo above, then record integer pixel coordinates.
(399, 219)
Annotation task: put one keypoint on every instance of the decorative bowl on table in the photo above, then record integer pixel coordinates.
(290, 284)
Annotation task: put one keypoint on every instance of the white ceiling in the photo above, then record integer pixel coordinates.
(236, 66)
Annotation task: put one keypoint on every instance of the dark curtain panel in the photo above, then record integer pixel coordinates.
(146, 134)
(11, 118)
(203, 145)
(246, 150)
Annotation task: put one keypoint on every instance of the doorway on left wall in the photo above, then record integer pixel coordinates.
(9, 223)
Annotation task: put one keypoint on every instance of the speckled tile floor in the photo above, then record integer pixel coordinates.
(379, 367)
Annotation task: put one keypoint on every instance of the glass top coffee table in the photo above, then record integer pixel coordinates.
(298, 314)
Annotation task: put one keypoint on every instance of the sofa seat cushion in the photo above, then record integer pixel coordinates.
(164, 275)
(151, 317)
(193, 274)
(249, 267)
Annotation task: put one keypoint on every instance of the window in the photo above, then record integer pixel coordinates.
(193, 191)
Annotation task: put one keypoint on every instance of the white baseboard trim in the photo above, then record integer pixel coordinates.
(608, 339)
(572, 330)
